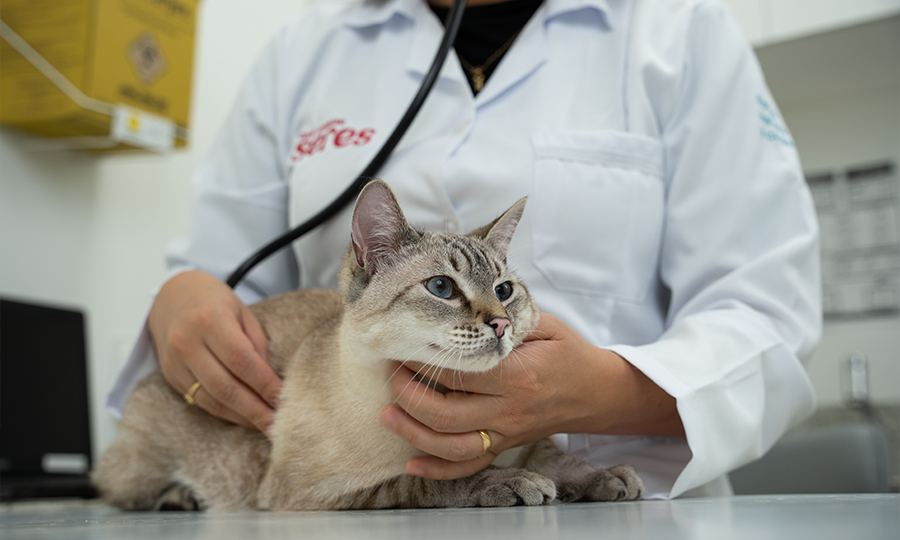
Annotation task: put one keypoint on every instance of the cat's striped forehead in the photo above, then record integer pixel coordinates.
(466, 256)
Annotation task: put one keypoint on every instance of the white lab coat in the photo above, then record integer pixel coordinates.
(668, 217)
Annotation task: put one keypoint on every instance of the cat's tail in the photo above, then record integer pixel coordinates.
(168, 455)
(137, 471)
(131, 483)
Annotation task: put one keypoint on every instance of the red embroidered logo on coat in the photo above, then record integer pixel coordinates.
(333, 133)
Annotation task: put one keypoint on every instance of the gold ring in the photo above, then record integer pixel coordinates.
(485, 442)
(189, 395)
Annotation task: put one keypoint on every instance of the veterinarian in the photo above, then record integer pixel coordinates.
(669, 236)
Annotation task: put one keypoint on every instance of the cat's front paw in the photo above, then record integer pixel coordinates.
(177, 498)
(619, 483)
(512, 487)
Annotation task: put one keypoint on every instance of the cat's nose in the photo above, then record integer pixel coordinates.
(499, 325)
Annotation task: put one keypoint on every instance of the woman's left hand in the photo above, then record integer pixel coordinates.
(555, 382)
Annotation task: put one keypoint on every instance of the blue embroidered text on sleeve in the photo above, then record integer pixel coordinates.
(772, 128)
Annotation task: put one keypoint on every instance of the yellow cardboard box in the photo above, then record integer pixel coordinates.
(137, 53)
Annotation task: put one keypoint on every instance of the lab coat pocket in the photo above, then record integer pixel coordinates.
(598, 204)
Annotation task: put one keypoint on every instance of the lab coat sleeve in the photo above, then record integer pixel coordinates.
(739, 257)
(239, 203)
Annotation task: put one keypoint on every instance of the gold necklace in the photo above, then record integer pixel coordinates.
(477, 72)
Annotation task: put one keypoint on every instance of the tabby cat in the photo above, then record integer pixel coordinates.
(404, 294)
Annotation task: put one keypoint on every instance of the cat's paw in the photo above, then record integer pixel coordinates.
(513, 487)
(619, 483)
(177, 498)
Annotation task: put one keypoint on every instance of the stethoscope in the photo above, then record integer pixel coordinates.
(453, 22)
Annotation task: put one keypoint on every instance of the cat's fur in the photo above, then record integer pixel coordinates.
(328, 448)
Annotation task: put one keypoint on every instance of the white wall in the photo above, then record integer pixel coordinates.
(89, 231)
(832, 134)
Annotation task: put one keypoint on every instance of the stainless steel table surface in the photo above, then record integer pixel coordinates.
(788, 517)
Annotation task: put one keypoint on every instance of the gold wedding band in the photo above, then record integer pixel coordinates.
(189, 395)
(485, 442)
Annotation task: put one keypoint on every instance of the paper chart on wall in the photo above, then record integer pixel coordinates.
(859, 219)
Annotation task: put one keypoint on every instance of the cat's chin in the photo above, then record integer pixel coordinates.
(473, 362)
(480, 366)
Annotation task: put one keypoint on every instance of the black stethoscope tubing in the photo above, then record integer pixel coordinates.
(453, 22)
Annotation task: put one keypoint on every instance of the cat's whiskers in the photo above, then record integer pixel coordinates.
(433, 367)
(402, 363)
(438, 373)
(459, 360)
(518, 358)
(430, 363)
(391, 377)
(457, 372)
(413, 380)
(539, 333)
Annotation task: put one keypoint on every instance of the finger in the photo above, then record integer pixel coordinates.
(220, 384)
(455, 447)
(269, 387)
(440, 469)
(454, 412)
(205, 401)
(255, 332)
(181, 379)
(547, 329)
(237, 353)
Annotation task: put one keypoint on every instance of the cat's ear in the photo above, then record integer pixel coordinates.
(499, 232)
(379, 226)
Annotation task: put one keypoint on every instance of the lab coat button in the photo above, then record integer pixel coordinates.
(451, 226)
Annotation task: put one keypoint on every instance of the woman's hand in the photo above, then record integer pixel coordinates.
(204, 332)
(555, 382)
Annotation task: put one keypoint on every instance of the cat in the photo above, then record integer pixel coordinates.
(404, 295)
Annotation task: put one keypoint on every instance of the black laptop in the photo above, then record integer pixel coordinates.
(45, 435)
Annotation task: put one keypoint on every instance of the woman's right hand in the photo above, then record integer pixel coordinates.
(203, 332)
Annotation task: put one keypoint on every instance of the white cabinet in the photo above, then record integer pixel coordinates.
(772, 21)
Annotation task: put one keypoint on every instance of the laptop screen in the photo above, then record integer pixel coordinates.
(44, 412)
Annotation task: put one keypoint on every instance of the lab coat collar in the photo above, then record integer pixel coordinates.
(427, 36)
(555, 8)
(529, 51)
(377, 12)
(428, 32)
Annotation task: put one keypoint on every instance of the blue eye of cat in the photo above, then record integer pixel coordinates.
(503, 291)
(440, 286)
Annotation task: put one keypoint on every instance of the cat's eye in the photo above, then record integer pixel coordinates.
(503, 291)
(440, 286)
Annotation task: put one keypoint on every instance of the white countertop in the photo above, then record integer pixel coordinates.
(788, 517)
